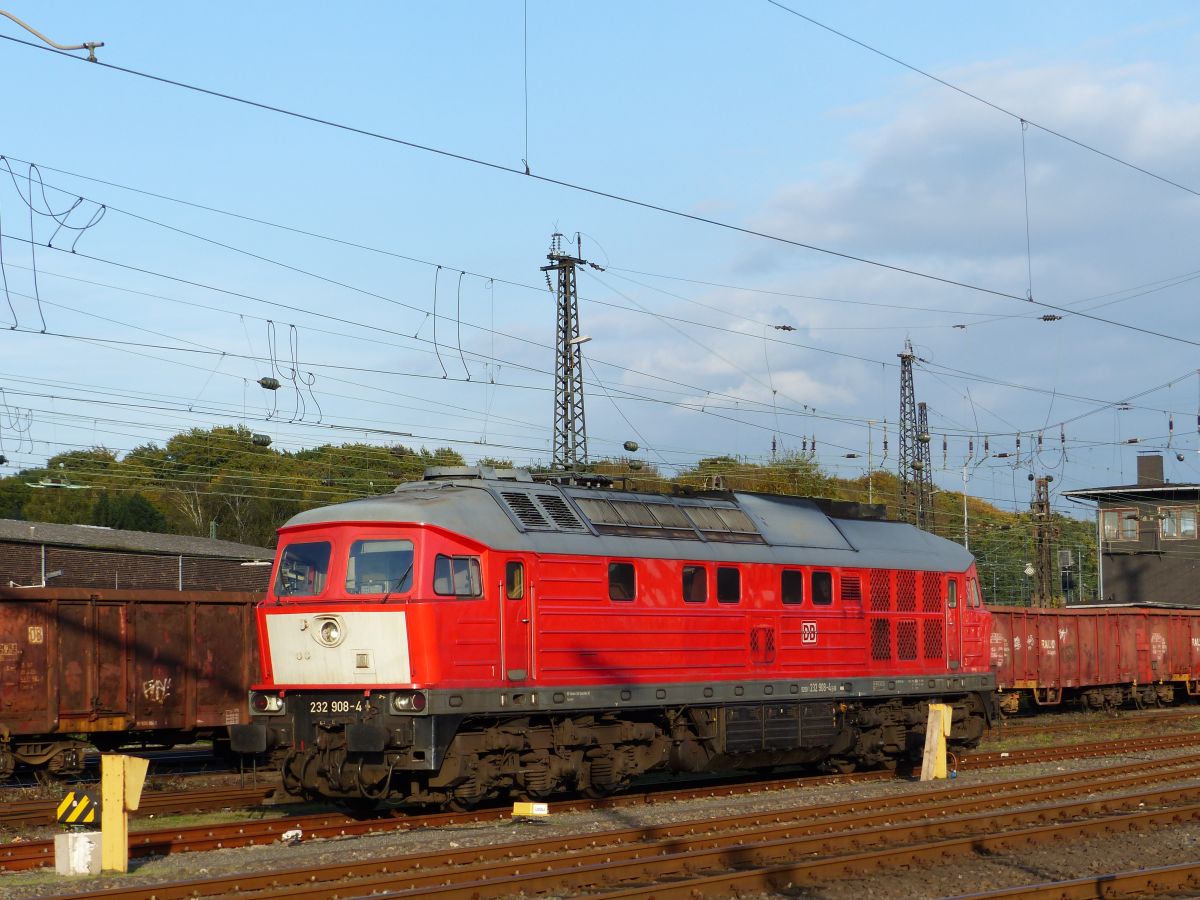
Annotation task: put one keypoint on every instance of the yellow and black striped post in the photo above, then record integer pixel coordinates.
(77, 808)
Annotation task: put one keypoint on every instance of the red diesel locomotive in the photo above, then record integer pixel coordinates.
(481, 633)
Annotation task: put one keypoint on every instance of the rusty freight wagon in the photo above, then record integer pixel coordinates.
(84, 668)
(1095, 656)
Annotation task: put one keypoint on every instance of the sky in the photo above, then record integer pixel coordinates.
(731, 167)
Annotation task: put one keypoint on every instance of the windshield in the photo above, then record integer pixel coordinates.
(379, 567)
(302, 569)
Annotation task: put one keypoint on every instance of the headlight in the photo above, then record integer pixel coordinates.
(329, 631)
(408, 702)
(266, 703)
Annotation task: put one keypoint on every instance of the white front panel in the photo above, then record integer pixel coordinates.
(373, 648)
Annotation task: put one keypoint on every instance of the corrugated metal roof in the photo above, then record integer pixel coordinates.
(97, 538)
(1133, 489)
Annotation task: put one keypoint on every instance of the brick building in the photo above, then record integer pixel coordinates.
(34, 554)
(1147, 536)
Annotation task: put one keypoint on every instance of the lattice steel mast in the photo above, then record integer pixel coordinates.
(570, 430)
(916, 479)
(924, 474)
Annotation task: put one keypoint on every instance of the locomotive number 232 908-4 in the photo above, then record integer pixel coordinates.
(335, 706)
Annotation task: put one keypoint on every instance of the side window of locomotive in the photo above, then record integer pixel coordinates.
(729, 584)
(621, 582)
(695, 584)
(379, 567)
(457, 576)
(302, 569)
(973, 593)
(514, 580)
(822, 588)
(952, 593)
(791, 587)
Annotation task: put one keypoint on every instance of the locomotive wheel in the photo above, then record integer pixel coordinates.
(467, 796)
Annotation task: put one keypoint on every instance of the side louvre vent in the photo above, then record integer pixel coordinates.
(562, 514)
(525, 509)
(852, 588)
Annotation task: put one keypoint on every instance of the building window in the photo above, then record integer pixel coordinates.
(792, 586)
(822, 588)
(1119, 524)
(695, 584)
(457, 576)
(1177, 522)
(729, 584)
(621, 583)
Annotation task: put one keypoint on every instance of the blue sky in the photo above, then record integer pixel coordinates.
(736, 112)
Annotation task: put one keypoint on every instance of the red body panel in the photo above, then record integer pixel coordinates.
(566, 630)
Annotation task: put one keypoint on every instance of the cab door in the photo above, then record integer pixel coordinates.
(956, 599)
(516, 597)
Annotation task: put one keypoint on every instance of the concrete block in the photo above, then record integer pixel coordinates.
(77, 853)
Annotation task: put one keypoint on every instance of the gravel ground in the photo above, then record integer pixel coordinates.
(1091, 857)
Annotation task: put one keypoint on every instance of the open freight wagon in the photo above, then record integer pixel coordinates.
(84, 668)
(1096, 656)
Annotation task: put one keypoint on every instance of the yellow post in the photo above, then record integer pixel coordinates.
(937, 729)
(121, 779)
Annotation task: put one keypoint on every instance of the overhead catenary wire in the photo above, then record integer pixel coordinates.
(954, 87)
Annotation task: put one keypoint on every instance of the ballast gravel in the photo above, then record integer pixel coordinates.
(966, 875)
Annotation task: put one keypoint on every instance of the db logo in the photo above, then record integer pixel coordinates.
(808, 632)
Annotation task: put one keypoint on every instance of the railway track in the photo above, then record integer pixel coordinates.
(26, 813)
(1052, 723)
(327, 825)
(159, 842)
(757, 851)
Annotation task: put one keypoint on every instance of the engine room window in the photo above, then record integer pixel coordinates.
(729, 584)
(791, 587)
(514, 580)
(379, 567)
(822, 588)
(302, 569)
(695, 584)
(621, 585)
(457, 576)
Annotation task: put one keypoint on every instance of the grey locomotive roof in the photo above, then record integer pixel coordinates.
(93, 537)
(793, 530)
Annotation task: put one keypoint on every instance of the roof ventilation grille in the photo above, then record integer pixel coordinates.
(525, 509)
(564, 517)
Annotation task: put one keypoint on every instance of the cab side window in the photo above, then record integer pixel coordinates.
(952, 593)
(457, 576)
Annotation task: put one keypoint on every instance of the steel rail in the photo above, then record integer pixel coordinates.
(1157, 880)
(890, 818)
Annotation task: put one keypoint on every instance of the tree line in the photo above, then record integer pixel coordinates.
(224, 483)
